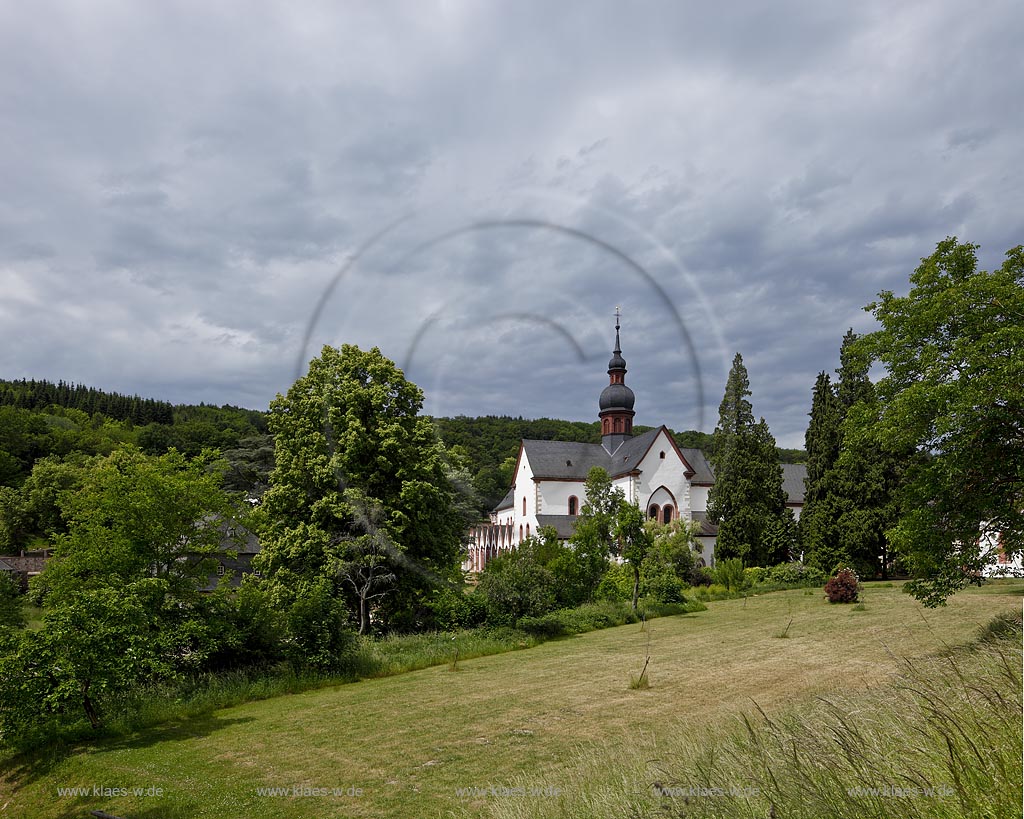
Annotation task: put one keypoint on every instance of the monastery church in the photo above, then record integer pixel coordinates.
(669, 482)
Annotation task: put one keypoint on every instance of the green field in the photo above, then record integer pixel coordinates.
(403, 746)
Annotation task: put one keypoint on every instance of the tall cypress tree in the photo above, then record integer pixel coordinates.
(747, 497)
(818, 535)
(850, 489)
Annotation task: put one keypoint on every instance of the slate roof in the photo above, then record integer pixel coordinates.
(568, 460)
(793, 481)
(563, 524)
(507, 501)
(703, 473)
(707, 528)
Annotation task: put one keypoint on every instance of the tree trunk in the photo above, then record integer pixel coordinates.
(636, 585)
(90, 708)
(364, 614)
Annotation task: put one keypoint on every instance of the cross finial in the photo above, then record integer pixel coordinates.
(617, 315)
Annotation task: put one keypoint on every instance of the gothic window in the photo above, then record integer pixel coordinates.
(652, 512)
(667, 513)
(520, 531)
(524, 504)
(573, 504)
(527, 529)
(662, 455)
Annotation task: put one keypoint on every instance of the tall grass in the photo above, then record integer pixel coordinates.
(941, 740)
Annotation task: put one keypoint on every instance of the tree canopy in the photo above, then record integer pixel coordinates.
(953, 391)
(360, 492)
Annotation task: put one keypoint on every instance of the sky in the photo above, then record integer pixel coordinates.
(195, 197)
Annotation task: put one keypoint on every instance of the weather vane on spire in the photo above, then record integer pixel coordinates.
(617, 315)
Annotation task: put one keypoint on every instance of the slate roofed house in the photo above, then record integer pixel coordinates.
(237, 548)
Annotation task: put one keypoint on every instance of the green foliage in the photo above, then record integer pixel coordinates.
(11, 612)
(754, 575)
(747, 493)
(359, 481)
(134, 517)
(729, 573)
(849, 501)
(795, 574)
(593, 539)
(634, 541)
(590, 617)
(954, 393)
(452, 608)
(616, 584)
(318, 635)
(515, 585)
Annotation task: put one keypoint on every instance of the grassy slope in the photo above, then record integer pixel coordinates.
(409, 741)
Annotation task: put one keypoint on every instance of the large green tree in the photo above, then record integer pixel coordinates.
(360, 493)
(954, 393)
(747, 494)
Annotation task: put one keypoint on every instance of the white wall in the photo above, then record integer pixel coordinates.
(555, 496)
(669, 472)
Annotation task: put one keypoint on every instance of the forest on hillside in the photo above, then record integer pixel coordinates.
(41, 419)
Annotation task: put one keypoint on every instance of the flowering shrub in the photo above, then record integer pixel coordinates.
(842, 587)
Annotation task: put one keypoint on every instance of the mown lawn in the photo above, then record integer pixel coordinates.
(409, 742)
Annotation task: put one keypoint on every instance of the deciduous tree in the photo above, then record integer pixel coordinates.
(953, 391)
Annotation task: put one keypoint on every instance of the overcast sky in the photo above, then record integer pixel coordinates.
(475, 186)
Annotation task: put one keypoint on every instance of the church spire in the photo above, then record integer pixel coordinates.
(617, 399)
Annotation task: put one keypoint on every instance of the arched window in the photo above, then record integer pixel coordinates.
(573, 505)
(524, 504)
(652, 512)
(520, 532)
(527, 529)
(618, 425)
(667, 513)
(662, 455)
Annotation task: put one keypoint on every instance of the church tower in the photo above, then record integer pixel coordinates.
(616, 400)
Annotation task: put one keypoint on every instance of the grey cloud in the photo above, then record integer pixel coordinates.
(197, 175)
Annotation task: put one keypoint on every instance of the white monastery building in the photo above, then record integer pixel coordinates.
(669, 482)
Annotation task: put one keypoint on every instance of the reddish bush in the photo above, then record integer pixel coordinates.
(843, 587)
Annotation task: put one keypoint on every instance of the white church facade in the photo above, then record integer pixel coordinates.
(668, 482)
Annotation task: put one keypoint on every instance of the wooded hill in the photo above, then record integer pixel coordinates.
(39, 418)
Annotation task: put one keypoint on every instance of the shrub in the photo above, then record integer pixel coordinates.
(729, 573)
(843, 587)
(616, 584)
(755, 575)
(452, 609)
(795, 574)
(514, 585)
(588, 617)
(701, 576)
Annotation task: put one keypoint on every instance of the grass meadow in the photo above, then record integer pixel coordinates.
(783, 695)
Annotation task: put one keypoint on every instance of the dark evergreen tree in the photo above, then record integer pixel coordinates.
(747, 495)
(819, 539)
(849, 501)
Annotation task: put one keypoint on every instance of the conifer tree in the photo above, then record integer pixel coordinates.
(849, 501)
(747, 495)
(818, 534)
